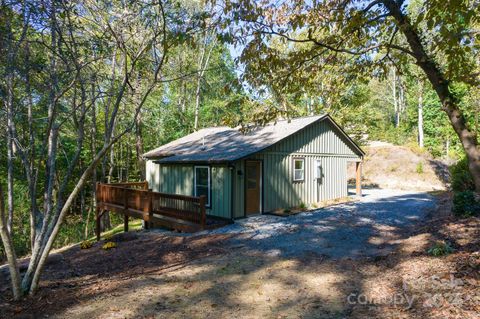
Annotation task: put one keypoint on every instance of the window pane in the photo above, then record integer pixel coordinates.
(252, 183)
(202, 176)
(202, 190)
(298, 175)
(298, 164)
(202, 186)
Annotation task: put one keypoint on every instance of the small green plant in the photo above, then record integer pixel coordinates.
(107, 237)
(109, 245)
(86, 244)
(461, 177)
(440, 249)
(303, 206)
(287, 211)
(419, 168)
(465, 204)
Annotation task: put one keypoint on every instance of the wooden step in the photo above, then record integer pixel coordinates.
(175, 223)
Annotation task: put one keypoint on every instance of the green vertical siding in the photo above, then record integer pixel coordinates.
(319, 138)
(221, 195)
(179, 179)
(280, 191)
(176, 179)
(239, 190)
(319, 141)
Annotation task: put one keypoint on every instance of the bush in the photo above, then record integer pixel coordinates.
(462, 180)
(465, 204)
(109, 245)
(440, 249)
(420, 168)
(86, 244)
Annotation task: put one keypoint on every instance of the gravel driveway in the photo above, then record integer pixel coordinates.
(371, 226)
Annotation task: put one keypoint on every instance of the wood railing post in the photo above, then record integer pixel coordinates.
(125, 209)
(97, 223)
(203, 211)
(97, 193)
(148, 224)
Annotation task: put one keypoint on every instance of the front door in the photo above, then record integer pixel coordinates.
(253, 187)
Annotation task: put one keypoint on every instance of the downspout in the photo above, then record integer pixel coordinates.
(232, 193)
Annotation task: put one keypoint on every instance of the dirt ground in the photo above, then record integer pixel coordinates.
(401, 167)
(153, 275)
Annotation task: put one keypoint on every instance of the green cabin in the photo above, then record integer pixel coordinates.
(281, 165)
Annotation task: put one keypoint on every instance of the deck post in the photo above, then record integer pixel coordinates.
(202, 211)
(358, 179)
(150, 208)
(125, 210)
(97, 222)
(125, 223)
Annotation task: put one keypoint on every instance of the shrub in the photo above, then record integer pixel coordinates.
(420, 168)
(440, 249)
(462, 179)
(465, 204)
(109, 245)
(86, 244)
(303, 206)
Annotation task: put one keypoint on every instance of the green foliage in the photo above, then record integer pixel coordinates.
(465, 204)
(303, 206)
(440, 249)
(419, 168)
(461, 178)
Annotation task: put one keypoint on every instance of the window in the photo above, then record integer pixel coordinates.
(298, 169)
(251, 178)
(202, 182)
(318, 169)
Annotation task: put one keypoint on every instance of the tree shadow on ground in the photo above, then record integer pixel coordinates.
(441, 170)
(155, 275)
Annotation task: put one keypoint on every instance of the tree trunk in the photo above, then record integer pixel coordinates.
(9, 68)
(139, 147)
(31, 142)
(10, 151)
(439, 83)
(9, 251)
(420, 115)
(203, 64)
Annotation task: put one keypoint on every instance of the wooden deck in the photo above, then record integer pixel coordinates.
(180, 212)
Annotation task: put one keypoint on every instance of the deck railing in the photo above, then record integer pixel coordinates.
(137, 199)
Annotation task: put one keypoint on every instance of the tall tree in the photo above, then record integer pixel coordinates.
(78, 41)
(439, 39)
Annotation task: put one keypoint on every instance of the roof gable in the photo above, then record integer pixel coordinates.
(224, 144)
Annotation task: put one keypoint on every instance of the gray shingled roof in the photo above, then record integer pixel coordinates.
(225, 144)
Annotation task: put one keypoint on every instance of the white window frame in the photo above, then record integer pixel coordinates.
(295, 159)
(209, 190)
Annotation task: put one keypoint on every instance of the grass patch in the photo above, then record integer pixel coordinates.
(133, 225)
(419, 168)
